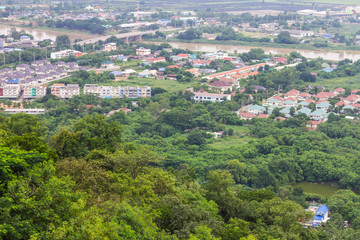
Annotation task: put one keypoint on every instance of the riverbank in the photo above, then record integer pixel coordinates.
(41, 33)
(331, 55)
(264, 44)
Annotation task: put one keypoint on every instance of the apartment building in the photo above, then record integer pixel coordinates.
(34, 91)
(117, 92)
(65, 91)
(11, 91)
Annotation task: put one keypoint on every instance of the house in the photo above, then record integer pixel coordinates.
(319, 115)
(304, 104)
(323, 105)
(355, 91)
(280, 60)
(107, 65)
(292, 93)
(285, 110)
(303, 96)
(212, 97)
(353, 98)
(304, 110)
(263, 116)
(289, 103)
(108, 47)
(338, 91)
(324, 95)
(272, 102)
(246, 116)
(143, 51)
(312, 125)
(348, 108)
(221, 85)
(256, 109)
(321, 215)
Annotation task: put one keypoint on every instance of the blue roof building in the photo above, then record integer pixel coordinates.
(321, 215)
(304, 110)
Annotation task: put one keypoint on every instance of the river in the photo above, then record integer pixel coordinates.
(334, 55)
(40, 34)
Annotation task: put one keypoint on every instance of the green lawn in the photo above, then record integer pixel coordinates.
(236, 140)
(350, 82)
(168, 85)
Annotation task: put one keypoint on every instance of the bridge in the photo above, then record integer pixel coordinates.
(126, 37)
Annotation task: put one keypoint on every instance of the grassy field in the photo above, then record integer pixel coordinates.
(168, 85)
(236, 140)
(325, 190)
(350, 82)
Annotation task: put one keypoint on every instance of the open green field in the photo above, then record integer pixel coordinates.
(347, 82)
(325, 190)
(236, 140)
(168, 85)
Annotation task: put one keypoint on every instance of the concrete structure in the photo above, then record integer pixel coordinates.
(65, 91)
(212, 97)
(117, 92)
(110, 47)
(143, 51)
(11, 91)
(32, 111)
(34, 91)
(65, 53)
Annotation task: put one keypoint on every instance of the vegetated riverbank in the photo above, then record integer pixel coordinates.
(262, 44)
(335, 55)
(41, 33)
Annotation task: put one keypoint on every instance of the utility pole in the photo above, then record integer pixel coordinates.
(20, 56)
(4, 58)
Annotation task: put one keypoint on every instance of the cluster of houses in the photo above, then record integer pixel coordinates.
(28, 78)
(294, 102)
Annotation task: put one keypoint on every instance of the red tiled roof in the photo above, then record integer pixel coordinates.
(339, 90)
(340, 103)
(263, 116)
(220, 84)
(247, 115)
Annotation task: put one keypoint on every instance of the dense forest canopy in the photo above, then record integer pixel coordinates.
(142, 176)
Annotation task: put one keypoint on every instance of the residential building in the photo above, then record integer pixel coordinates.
(256, 109)
(32, 111)
(246, 116)
(108, 47)
(143, 51)
(92, 89)
(11, 91)
(65, 91)
(212, 97)
(221, 85)
(65, 53)
(34, 91)
(107, 65)
(321, 215)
